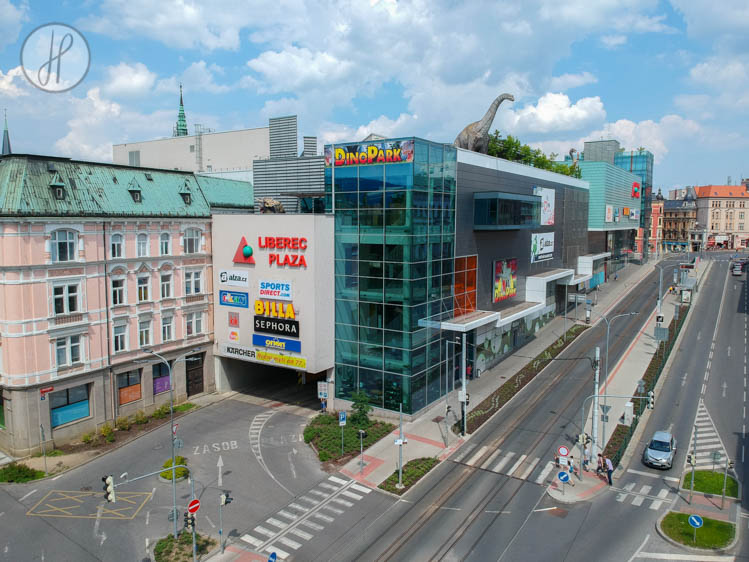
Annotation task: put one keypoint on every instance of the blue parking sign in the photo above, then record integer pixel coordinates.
(341, 418)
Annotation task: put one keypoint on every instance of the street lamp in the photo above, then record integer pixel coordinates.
(660, 291)
(162, 359)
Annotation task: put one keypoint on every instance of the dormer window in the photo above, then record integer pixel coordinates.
(149, 177)
(186, 198)
(135, 193)
(59, 193)
(58, 188)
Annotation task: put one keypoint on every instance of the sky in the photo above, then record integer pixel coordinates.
(671, 76)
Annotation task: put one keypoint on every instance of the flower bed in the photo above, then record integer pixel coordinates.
(324, 433)
(413, 471)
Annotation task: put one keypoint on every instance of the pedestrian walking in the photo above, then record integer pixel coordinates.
(572, 470)
(601, 466)
(609, 469)
(586, 458)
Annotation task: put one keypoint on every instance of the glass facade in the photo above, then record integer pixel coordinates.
(640, 162)
(505, 211)
(394, 251)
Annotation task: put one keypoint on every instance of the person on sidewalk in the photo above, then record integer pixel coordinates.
(609, 469)
(586, 458)
(601, 466)
(572, 470)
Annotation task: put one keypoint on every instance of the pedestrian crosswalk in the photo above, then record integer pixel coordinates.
(509, 463)
(710, 450)
(285, 531)
(642, 495)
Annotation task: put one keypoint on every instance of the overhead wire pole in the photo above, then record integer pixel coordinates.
(606, 375)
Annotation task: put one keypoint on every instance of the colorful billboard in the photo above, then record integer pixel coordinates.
(542, 246)
(367, 154)
(609, 213)
(505, 280)
(547, 204)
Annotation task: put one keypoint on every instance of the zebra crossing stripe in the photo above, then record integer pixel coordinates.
(644, 490)
(328, 486)
(288, 542)
(491, 459)
(276, 523)
(288, 515)
(501, 464)
(545, 472)
(362, 489)
(299, 507)
(333, 509)
(628, 487)
(530, 468)
(656, 504)
(324, 517)
(311, 525)
(351, 495)
(319, 493)
(516, 465)
(252, 540)
(337, 480)
(264, 531)
(464, 452)
(342, 502)
(477, 456)
(301, 534)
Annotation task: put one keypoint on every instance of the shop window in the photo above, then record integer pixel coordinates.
(128, 386)
(66, 299)
(69, 405)
(161, 378)
(63, 245)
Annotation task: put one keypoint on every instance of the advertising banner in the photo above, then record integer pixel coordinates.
(278, 326)
(233, 277)
(291, 361)
(279, 290)
(273, 342)
(505, 280)
(547, 204)
(625, 211)
(365, 154)
(542, 246)
(609, 213)
(234, 298)
(160, 384)
(237, 351)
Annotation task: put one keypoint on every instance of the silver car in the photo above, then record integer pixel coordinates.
(660, 451)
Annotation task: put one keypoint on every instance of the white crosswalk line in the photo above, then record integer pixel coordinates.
(333, 509)
(283, 555)
(299, 507)
(324, 517)
(342, 502)
(301, 534)
(277, 523)
(329, 486)
(516, 465)
(644, 489)
(264, 531)
(311, 525)
(288, 542)
(319, 493)
(462, 454)
(530, 468)
(621, 495)
(501, 464)
(362, 489)
(477, 455)
(252, 540)
(656, 504)
(288, 515)
(491, 459)
(545, 472)
(337, 480)
(351, 495)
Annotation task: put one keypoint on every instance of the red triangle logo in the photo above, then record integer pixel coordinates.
(239, 256)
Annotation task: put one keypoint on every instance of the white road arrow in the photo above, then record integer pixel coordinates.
(729, 350)
(220, 465)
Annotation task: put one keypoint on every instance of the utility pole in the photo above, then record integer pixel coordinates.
(596, 391)
(725, 479)
(194, 548)
(465, 386)
(400, 448)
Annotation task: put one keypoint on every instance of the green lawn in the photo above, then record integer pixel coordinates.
(325, 434)
(711, 482)
(412, 472)
(713, 534)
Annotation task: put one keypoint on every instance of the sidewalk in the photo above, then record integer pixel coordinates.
(430, 436)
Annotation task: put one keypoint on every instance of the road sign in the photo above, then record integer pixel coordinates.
(44, 391)
(695, 521)
(563, 451)
(661, 333)
(716, 456)
(563, 476)
(193, 506)
(174, 428)
(605, 408)
(178, 443)
(273, 557)
(322, 389)
(341, 418)
(400, 441)
(563, 461)
(604, 418)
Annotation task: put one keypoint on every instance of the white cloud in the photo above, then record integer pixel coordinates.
(383, 125)
(613, 41)
(128, 79)
(198, 77)
(569, 81)
(11, 18)
(13, 83)
(720, 73)
(554, 113)
(706, 18)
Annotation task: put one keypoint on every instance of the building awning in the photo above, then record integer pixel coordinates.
(579, 278)
(535, 285)
(552, 275)
(465, 322)
(518, 312)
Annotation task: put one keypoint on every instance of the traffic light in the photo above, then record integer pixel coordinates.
(109, 488)
(588, 439)
(448, 409)
(651, 400)
(730, 465)
(189, 522)
(468, 399)
(226, 499)
(186, 520)
(581, 438)
(689, 459)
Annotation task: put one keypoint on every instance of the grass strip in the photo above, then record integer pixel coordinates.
(413, 471)
(711, 482)
(713, 534)
(324, 433)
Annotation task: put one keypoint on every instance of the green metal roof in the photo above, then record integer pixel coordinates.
(221, 192)
(95, 189)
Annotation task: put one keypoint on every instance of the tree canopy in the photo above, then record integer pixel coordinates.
(511, 148)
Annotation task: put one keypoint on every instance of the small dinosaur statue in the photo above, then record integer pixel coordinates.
(475, 136)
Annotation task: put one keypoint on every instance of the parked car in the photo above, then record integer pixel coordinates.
(736, 269)
(660, 452)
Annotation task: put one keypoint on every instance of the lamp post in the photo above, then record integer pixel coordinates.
(660, 290)
(162, 359)
(606, 376)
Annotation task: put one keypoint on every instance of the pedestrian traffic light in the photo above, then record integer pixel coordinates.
(189, 521)
(186, 520)
(226, 499)
(730, 465)
(651, 399)
(468, 399)
(689, 459)
(448, 409)
(581, 438)
(108, 488)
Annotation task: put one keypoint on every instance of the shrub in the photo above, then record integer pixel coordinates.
(361, 409)
(87, 438)
(106, 431)
(181, 472)
(183, 407)
(141, 418)
(123, 423)
(161, 412)
(18, 472)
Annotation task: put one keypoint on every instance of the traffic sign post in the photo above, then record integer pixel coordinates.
(193, 506)
(696, 522)
(563, 451)
(342, 423)
(273, 557)
(564, 477)
(322, 390)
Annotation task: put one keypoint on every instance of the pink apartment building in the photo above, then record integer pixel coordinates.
(98, 263)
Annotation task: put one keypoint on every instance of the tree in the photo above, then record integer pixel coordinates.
(361, 409)
(512, 149)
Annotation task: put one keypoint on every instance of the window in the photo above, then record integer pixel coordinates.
(63, 245)
(133, 157)
(142, 245)
(68, 350)
(166, 285)
(161, 378)
(116, 245)
(186, 196)
(193, 323)
(164, 244)
(66, 299)
(741, 216)
(135, 193)
(128, 386)
(166, 328)
(120, 334)
(143, 286)
(192, 148)
(69, 405)
(192, 241)
(144, 333)
(741, 226)
(118, 292)
(192, 282)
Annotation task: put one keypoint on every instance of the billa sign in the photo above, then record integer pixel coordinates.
(367, 154)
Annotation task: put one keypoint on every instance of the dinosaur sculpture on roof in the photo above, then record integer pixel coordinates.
(475, 136)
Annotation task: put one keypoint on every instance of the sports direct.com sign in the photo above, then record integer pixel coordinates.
(279, 290)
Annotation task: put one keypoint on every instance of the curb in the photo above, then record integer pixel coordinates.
(629, 451)
(723, 550)
(563, 499)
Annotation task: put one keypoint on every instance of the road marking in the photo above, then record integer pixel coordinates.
(362, 489)
(319, 493)
(311, 525)
(56, 477)
(491, 459)
(148, 516)
(451, 508)
(684, 379)
(209, 521)
(288, 542)
(516, 465)
(284, 513)
(264, 531)
(686, 557)
(545, 472)
(628, 487)
(651, 475)
(342, 502)
(333, 509)
(252, 540)
(639, 549)
(299, 507)
(337, 480)
(328, 486)
(462, 454)
(310, 500)
(303, 534)
(707, 374)
(703, 388)
(530, 468)
(323, 517)
(501, 464)
(656, 504)
(477, 455)
(351, 495)
(27, 495)
(544, 509)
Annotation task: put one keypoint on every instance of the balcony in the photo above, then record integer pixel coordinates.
(192, 299)
(65, 319)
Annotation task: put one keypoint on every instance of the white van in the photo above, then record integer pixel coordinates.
(736, 269)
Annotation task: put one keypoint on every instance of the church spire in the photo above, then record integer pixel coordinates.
(6, 137)
(180, 129)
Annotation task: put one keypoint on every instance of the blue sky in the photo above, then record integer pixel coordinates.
(672, 76)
